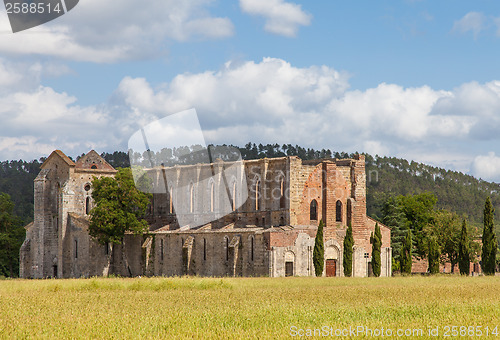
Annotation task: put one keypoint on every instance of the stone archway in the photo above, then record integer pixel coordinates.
(289, 263)
(332, 258)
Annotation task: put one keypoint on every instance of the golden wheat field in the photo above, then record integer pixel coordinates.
(215, 308)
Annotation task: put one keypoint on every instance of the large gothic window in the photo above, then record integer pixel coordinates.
(282, 194)
(233, 199)
(313, 210)
(191, 198)
(257, 195)
(349, 212)
(338, 211)
(170, 201)
(212, 196)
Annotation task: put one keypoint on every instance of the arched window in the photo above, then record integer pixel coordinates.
(257, 194)
(233, 200)
(170, 202)
(338, 208)
(212, 197)
(313, 210)
(204, 249)
(227, 247)
(251, 248)
(191, 198)
(87, 205)
(282, 194)
(349, 212)
(93, 166)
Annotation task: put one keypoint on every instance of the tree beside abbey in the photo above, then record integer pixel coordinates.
(431, 202)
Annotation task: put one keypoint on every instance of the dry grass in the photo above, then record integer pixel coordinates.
(240, 307)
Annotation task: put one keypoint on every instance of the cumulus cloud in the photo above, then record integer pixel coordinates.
(282, 17)
(270, 101)
(474, 22)
(487, 167)
(107, 31)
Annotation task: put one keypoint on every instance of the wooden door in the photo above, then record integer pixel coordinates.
(331, 268)
(288, 268)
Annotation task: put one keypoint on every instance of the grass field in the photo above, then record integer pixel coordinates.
(244, 307)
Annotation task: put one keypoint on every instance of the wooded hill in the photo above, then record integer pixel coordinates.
(386, 176)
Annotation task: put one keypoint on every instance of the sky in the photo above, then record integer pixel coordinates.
(416, 79)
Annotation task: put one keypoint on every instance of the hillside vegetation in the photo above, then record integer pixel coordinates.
(387, 177)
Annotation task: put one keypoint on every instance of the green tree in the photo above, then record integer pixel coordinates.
(348, 244)
(489, 252)
(446, 228)
(12, 235)
(376, 241)
(393, 217)
(406, 254)
(319, 251)
(433, 256)
(119, 207)
(464, 251)
(419, 211)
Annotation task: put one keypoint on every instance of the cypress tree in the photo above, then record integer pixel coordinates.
(433, 256)
(376, 241)
(319, 251)
(348, 244)
(489, 251)
(464, 251)
(406, 257)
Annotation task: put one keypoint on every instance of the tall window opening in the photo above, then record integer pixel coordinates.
(282, 194)
(87, 205)
(313, 210)
(233, 201)
(212, 197)
(204, 249)
(339, 211)
(227, 248)
(349, 212)
(161, 249)
(191, 198)
(170, 202)
(257, 194)
(76, 249)
(251, 248)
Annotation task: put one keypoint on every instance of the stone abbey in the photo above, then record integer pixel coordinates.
(269, 230)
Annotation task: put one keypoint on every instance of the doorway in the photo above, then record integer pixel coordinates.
(331, 268)
(288, 269)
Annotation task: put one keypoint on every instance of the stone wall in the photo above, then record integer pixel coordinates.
(234, 252)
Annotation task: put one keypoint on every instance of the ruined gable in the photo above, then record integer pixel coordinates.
(92, 161)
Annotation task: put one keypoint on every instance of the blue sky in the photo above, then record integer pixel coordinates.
(415, 79)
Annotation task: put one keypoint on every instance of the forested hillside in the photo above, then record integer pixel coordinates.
(386, 176)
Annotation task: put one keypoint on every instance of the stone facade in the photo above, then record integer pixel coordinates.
(267, 229)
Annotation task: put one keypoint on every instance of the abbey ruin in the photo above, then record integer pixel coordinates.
(261, 221)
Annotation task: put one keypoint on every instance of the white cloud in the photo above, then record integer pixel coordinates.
(272, 101)
(269, 101)
(487, 167)
(472, 21)
(105, 31)
(282, 17)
